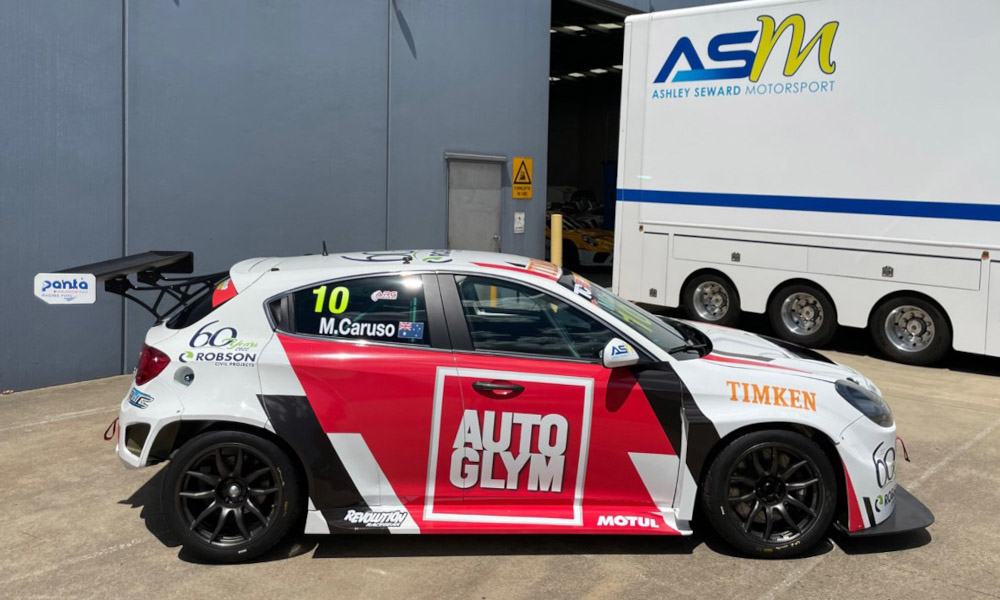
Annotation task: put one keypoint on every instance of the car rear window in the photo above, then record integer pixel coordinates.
(203, 305)
(379, 309)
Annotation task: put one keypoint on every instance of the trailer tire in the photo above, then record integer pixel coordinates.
(910, 330)
(712, 298)
(803, 314)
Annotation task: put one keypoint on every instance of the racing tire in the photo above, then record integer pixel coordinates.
(571, 256)
(711, 298)
(803, 314)
(770, 508)
(910, 330)
(230, 496)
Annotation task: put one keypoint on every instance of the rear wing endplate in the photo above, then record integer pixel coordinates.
(77, 285)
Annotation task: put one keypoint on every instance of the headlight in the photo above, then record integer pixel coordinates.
(869, 403)
(589, 240)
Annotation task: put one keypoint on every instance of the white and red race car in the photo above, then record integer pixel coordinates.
(462, 392)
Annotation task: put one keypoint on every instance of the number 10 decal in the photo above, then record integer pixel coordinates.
(338, 299)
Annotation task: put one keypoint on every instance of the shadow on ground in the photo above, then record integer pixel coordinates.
(147, 499)
(882, 544)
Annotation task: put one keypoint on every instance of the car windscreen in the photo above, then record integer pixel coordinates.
(649, 325)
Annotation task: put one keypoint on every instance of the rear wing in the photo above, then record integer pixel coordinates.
(78, 285)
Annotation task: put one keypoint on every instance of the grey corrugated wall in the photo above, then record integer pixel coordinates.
(251, 128)
(60, 184)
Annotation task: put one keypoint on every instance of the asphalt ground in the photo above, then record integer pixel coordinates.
(75, 523)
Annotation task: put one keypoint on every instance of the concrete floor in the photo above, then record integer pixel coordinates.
(77, 524)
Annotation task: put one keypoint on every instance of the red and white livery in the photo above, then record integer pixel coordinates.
(463, 392)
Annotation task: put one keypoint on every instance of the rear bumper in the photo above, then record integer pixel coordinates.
(909, 514)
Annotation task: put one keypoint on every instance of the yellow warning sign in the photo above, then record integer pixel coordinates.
(521, 187)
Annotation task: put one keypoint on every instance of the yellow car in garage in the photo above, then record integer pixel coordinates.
(584, 247)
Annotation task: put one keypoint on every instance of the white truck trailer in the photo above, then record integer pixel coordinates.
(828, 162)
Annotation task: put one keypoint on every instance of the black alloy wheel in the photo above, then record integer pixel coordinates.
(771, 494)
(778, 502)
(230, 496)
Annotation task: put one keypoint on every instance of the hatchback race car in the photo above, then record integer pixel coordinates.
(465, 392)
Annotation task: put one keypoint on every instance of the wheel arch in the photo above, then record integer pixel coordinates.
(822, 439)
(173, 436)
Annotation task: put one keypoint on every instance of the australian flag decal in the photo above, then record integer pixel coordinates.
(410, 330)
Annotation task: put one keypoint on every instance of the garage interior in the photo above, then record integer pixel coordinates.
(585, 76)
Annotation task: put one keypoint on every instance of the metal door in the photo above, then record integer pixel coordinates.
(474, 195)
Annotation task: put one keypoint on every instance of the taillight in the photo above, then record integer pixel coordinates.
(151, 363)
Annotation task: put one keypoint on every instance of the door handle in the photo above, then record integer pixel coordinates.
(498, 389)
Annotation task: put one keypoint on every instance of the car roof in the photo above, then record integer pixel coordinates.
(289, 271)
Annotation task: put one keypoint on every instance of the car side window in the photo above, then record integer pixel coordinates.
(508, 317)
(377, 309)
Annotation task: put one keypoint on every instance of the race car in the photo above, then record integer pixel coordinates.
(447, 391)
(583, 246)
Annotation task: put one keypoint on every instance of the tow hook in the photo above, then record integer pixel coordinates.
(906, 455)
(112, 431)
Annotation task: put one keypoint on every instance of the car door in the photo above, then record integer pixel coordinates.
(366, 354)
(548, 438)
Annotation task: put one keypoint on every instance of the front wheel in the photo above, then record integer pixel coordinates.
(770, 494)
(230, 496)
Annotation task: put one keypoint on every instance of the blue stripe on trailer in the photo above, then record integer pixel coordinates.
(893, 208)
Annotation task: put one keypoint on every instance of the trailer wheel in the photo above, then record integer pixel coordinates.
(910, 330)
(711, 298)
(803, 314)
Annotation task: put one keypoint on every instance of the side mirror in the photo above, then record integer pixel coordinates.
(618, 354)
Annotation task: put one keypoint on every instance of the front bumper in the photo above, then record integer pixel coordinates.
(591, 258)
(909, 514)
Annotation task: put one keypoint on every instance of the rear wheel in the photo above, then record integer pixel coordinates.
(711, 298)
(803, 314)
(230, 496)
(770, 494)
(910, 330)
(571, 256)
